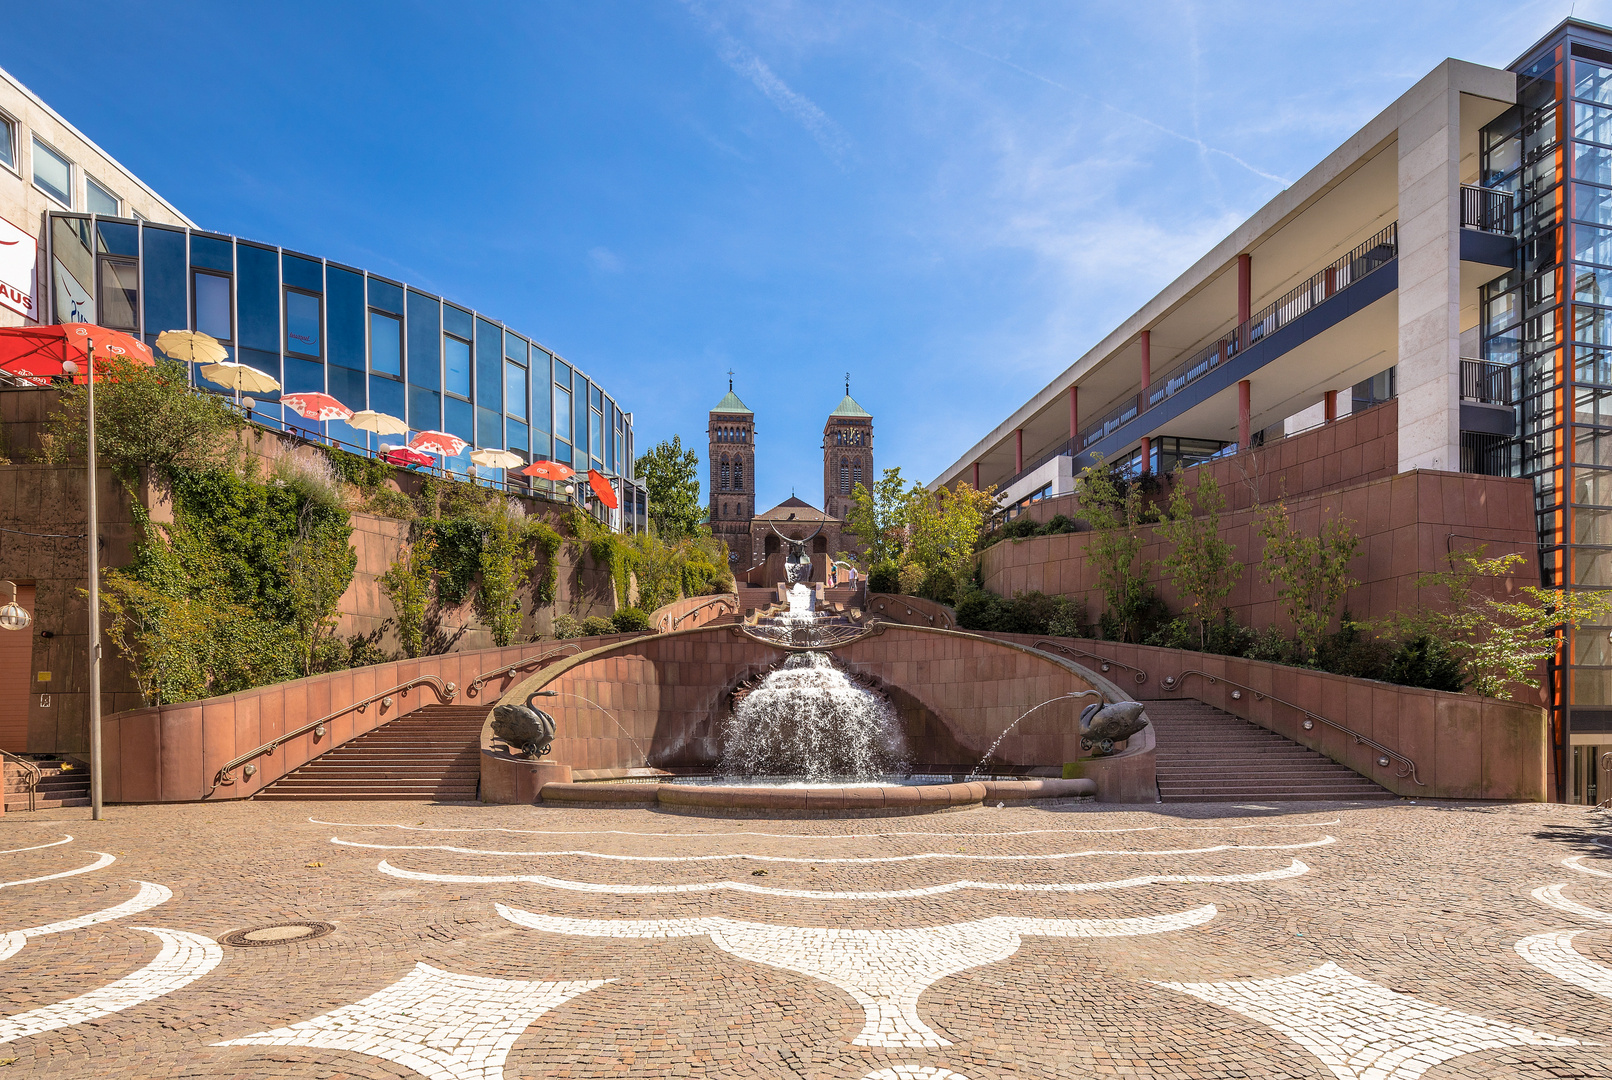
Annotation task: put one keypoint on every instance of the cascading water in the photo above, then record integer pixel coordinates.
(808, 720)
(801, 608)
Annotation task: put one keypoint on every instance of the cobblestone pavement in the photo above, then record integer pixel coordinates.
(1356, 941)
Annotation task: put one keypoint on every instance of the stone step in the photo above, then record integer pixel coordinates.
(429, 755)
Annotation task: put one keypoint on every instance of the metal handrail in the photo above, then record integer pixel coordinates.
(473, 688)
(1606, 767)
(1173, 682)
(885, 603)
(30, 772)
(1103, 661)
(445, 692)
(723, 599)
(1483, 208)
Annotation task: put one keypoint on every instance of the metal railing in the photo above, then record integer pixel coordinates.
(1486, 209)
(30, 775)
(473, 688)
(1485, 381)
(445, 692)
(1173, 682)
(673, 624)
(884, 605)
(1103, 662)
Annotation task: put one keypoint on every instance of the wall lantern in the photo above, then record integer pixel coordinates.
(12, 616)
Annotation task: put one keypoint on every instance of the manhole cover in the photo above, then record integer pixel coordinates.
(276, 934)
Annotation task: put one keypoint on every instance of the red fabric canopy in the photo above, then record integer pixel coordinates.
(316, 406)
(37, 353)
(601, 487)
(404, 456)
(438, 442)
(549, 470)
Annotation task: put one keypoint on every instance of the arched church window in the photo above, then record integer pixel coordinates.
(725, 474)
(738, 476)
(856, 471)
(845, 477)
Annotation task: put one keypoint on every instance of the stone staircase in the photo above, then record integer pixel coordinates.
(1206, 755)
(430, 755)
(61, 783)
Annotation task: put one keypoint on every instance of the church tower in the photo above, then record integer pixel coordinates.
(847, 454)
(732, 433)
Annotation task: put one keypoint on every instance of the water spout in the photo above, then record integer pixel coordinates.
(979, 770)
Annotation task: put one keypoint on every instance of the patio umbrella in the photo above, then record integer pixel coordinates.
(601, 487)
(495, 459)
(378, 422)
(36, 353)
(319, 407)
(402, 455)
(548, 470)
(240, 377)
(191, 346)
(438, 442)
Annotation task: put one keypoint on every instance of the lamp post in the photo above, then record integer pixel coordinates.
(69, 368)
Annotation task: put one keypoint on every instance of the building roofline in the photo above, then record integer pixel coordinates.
(1556, 31)
(97, 147)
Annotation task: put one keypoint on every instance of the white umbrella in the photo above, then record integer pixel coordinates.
(378, 422)
(240, 377)
(192, 346)
(496, 459)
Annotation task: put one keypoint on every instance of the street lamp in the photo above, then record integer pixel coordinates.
(12, 616)
(69, 368)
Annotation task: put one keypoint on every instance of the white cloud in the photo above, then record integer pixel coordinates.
(605, 260)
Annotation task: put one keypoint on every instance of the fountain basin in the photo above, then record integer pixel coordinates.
(838, 800)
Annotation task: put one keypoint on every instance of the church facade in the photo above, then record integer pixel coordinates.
(731, 480)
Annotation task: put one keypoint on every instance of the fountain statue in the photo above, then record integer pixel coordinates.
(526, 728)
(1101, 726)
(797, 564)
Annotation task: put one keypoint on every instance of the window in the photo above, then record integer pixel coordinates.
(98, 200)
(856, 471)
(845, 477)
(515, 390)
(120, 294)
(738, 476)
(562, 412)
(210, 295)
(385, 344)
(53, 174)
(8, 141)
(457, 354)
(725, 474)
(303, 326)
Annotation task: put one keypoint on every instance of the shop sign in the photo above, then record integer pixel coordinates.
(18, 253)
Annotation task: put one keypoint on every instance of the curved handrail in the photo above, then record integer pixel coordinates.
(445, 692)
(473, 688)
(1606, 767)
(911, 611)
(725, 598)
(31, 773)
(802, 639)
(1173, 682)
(1105, 662)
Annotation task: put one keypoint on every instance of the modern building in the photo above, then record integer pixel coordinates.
(90, 242)
(1455, 256)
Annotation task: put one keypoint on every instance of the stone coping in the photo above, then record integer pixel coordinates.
(900, 798)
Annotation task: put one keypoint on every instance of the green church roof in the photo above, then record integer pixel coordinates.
(732, 404)
(847, 407)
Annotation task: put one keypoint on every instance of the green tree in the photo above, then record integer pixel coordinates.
(1311, 573)
(319, 564)
(671, 476)
(1114, 506)
(879, 517)
(1202, 565)
(943, 531)
(407, 584)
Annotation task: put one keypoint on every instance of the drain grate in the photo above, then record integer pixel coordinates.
(276, 934)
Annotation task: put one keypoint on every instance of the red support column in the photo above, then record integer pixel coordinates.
(1074, 411)
(1245, 288)
(1018, 450)
(1332, 405)
(976, 476)
(1147, 368)
(1245, 414)
(1147, 455)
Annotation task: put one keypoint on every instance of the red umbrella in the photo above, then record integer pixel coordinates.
(438, 442)
(36, 353)
(549, 470)
(601, 487)
(404, 456)
(319, 407)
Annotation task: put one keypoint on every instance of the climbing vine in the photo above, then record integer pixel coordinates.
(407, 584)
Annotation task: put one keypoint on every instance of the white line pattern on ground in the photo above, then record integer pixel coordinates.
(1552, 952)
(104, 860)
(1359, 1029)
(1551, 896)
(884, 970)
(863, 861)
(149, 896)
(824, 836)
(1576, 862)
(1295, 869)
(36, 847)
(442, 1024)
(184, 958)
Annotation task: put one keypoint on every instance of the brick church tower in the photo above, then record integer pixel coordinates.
(732, 456)
(847, 454)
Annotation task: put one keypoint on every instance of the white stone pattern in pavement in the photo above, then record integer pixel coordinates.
(884, 970)
(104, 860)
(1551, 896)
(1295, 869)
(1553, 953)
(36, 847)
(1360, 1029)
(804, 838)
(1576, 862)
(441, 1024)
(149, 896)
(909, 1072)
(184, 958)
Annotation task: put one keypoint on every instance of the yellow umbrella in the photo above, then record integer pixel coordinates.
(496, 459)
(240, 377)
(192, 346)
(378, 422)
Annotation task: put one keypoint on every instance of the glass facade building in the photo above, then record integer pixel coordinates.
(368, 341)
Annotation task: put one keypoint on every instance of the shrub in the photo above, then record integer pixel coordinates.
(910, 579)
(310, 477)
(1427, 662)
(595, 625)
(1021, 527)
(628, 620)
(567, 625)
(1270, 644)
(1176, 634)
(885, 577)
(979, 610)
(1059, 523)
(1071, 621)
(1351, 651)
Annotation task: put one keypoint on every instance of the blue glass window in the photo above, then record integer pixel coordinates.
(562, 452)
(456, 354)
(562, 373)
(302, 376)
(211, 300)
(305, 274)
(347, 387)
(344, 321)
(596, 447)
(515, 435)
(515, 390)
(458, 322)
(164, 280)
(385, 345)
(386, 296)
(269, 362)
(211, 253)
(489, 353)
(425, 409)
(303, 332)
(113, 238)
(425, 341)
(386, 395)
(541, 403)
(562, 413)
(459, 418)
(579, 426)
(257, 297)
(489, 428)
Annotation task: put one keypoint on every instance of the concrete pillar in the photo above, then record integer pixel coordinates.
(1430, 275)
(1018, 450)
(1245, 414)
(1147, 455)
(1074, 411)
(1147, 368)
(1245, 288)
(1331, 406)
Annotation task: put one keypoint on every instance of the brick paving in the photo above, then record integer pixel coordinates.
(1310, 940)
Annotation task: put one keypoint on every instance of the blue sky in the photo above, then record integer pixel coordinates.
(951, 201)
